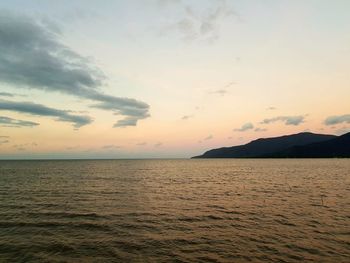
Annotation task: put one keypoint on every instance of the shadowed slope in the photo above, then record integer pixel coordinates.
(266, 146)
(338, 147)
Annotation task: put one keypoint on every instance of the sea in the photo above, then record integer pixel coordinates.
(202, 210)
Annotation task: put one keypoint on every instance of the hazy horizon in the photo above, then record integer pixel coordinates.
(168, 78)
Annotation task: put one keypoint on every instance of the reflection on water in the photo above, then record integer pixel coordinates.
(175, 210)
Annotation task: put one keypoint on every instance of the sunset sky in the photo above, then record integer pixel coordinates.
(168, 78)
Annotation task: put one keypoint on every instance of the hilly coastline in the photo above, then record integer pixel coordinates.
(301, 145)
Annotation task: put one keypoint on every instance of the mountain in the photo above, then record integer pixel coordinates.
(267, 147)
(337, 147)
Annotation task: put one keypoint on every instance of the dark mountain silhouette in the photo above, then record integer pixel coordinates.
(337, 147)
(269, 147)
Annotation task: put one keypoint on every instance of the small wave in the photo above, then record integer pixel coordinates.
(82, 225)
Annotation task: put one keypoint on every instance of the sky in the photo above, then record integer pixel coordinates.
(168, 78)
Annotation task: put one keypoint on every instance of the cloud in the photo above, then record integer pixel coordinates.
(6, 94)
(208, 138)
(260, 130)
(271, 108)
(230, 84)
(333, 120)
(201, 25)
(142, 144)
(186, 117)
(3, 141)
(224, 90)
(32, 56)
(221, 92)
(159, 144)
(288, 120)
(111, 147)
(9, 122)
(41, 110)
(245, 127)
(128, 121)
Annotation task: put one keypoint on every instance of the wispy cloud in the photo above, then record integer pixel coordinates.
(9, 122)
(141, 144)
(158, 144)
(111, 147)
(223, 91)
(288, 120)
(33, 56)
(271, 108)
(41, 110)
(186, 117)
(333, 120)
(24, 146)
(209, 137)
(245, 127)
(260, 129)
(4, 141)
(197, 25)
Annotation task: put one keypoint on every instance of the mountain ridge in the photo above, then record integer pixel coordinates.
(287, 146)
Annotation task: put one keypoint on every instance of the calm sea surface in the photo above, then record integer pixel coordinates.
(175, 211)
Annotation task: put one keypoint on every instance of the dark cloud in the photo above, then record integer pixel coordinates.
(333, 120)
(6, 94)
(9, 122)
(288, 120)
(260, 130)
(128, 121)
(32, 56)
(41, 110)
(245, 127)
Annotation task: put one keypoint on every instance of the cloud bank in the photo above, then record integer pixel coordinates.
(288, 120)
(41, 110)
(245, 127)
(33, 56)
(333, 120)
(9, 122)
